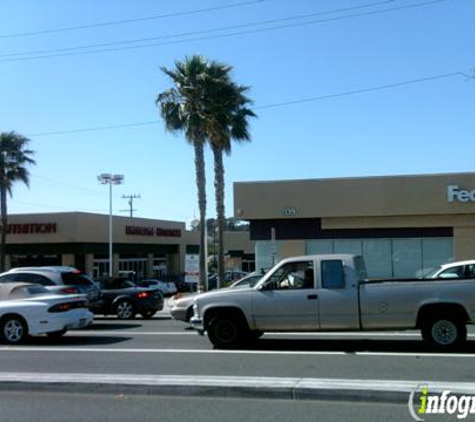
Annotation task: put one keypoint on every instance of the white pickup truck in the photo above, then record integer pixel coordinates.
(332, 293)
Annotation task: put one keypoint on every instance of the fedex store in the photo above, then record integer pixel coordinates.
(147, 247)
(401, 225)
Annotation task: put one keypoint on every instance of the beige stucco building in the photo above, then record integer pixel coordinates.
(402, 225)
(146, 246)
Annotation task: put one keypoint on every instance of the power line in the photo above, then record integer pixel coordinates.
(363, 90)
(228, 35)
(97, 128)
(129, 21)
(282, 104)
(206, 31)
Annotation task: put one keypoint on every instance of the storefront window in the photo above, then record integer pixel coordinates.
(348, 246)
(407, 258)
(384, 258)
(436, 252)
(267, 255)
(319, 247)
(377, 257)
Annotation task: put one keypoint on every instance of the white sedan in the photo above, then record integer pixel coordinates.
(29, 309)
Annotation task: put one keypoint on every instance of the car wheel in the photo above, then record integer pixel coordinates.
(148, 314)
(125, 310)
(14, 329)
(57, 334)
(226, 331)
(444, 332)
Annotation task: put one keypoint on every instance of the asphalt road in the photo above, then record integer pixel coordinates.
(164, 347)
(40, 407)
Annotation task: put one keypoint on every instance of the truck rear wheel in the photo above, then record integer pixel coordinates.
(444, 332)
(226, 331)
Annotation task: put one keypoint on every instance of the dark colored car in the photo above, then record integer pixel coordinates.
(123, 298)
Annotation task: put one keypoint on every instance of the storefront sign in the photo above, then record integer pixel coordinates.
(152, 231)
(455, 194)
(32, 228)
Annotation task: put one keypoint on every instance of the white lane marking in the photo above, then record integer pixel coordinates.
(230, 352)
(130, 333)
(363, 335)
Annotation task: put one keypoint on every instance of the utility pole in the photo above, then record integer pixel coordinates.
(131, 204)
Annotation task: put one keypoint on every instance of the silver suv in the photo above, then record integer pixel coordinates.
(57, 279)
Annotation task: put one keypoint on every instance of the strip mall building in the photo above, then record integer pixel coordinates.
(148, 247)
(402, 225)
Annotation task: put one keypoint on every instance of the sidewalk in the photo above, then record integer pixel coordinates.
(383, 391)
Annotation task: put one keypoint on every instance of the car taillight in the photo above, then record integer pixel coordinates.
(143, 295)
(65, 307)
(69, 290)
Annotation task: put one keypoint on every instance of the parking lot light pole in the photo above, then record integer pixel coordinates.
(110, 179)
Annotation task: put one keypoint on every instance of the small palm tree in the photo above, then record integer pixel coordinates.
(14, 159)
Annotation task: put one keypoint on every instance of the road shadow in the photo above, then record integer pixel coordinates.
(75, 340)
(95, 326)
(354, 346)
(137, 318)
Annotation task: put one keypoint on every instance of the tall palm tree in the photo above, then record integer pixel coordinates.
(228, 113)
(14, 159)
(182, 109)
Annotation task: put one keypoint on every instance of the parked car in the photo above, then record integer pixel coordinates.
(167, 288)
(182, 306)
(30, 309)
(229, 277)
(59, 280)
(459, 269)
(331, 292)
(125, 299)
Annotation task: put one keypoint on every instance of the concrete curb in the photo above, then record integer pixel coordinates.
(382, 391)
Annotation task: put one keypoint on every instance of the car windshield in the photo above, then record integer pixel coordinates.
(431, 272)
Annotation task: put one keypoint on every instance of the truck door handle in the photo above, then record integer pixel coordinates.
(312, 297)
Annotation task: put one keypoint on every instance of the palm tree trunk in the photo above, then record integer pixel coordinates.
(220, 216)
(201, 184)
(4, 217)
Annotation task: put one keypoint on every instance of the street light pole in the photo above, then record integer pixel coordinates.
(110, 179)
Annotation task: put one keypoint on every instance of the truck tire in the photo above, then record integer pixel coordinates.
(226, 331)
(444, 332)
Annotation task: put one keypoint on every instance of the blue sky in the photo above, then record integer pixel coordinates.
(414, 128)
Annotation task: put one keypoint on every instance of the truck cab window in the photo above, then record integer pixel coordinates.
(292, 276)
(332, 274)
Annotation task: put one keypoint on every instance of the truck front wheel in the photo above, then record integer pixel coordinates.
(444, 332)
(226, 331)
